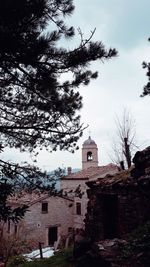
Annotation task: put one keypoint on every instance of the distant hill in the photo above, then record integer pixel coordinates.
(63, 173)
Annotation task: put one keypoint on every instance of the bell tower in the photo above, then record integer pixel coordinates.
(89, 154)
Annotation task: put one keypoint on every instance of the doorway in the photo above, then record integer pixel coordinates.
(52, 235)
(110, 215)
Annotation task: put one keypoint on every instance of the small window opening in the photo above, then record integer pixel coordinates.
(89, 156)
(78, 208)
(45, 207)
(15, 229)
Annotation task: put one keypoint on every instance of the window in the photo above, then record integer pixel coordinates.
(15, 229)
(89, 156)
(45, 207)
(78, 208)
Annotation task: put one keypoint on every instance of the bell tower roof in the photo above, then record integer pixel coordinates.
(89, 141)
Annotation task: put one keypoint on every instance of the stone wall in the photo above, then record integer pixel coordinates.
(131, 207)
(59, 214)
(35, 225)
(70, 186)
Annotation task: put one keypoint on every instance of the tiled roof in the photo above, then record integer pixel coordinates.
(27, 198)
(92, 172)
(122, 178)
(31, 198)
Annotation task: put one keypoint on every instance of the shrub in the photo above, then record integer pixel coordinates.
(138, 246)
(16, 261)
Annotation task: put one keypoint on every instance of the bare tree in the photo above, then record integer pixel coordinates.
(124, 144)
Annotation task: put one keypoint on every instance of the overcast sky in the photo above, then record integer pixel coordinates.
(124, 25)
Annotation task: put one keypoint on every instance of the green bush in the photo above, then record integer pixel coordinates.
(138, 246)
(16, 261)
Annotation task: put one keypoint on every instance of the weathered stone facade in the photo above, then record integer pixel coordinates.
(47, 220)
(39, 222)
(74, 180)
(119, 203)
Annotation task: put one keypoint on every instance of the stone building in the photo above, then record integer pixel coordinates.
(119, 203)
(90, 172)
(47, 219)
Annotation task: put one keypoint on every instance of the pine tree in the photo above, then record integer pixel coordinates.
(38, 105)
(146, 89)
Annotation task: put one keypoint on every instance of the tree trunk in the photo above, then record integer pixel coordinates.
(127, 152)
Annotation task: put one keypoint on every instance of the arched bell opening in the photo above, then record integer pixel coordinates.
(89, 156)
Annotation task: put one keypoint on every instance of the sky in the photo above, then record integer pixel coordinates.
(120, 24)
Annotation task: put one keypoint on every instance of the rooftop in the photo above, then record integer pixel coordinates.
(89, 141)
(92, 172)
(121, 182)
(32, 198)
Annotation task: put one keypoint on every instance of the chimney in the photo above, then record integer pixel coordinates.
(69, 170)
